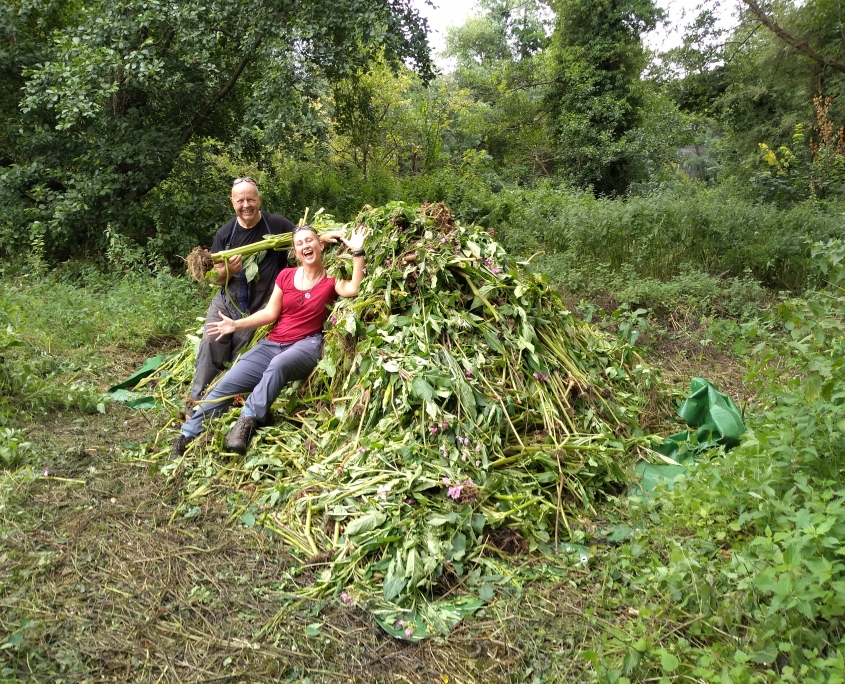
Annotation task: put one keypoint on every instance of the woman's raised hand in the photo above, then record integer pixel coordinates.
(356, 241)
(225, 326)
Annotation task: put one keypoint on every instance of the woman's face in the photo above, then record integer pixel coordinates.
(308, 248)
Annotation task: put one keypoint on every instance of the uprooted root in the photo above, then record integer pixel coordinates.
(440, 214)
(199, 263)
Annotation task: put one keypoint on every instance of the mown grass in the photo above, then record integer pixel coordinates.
(99, 580)
(103, 579)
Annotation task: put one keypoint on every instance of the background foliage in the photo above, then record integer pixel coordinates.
(688, 197)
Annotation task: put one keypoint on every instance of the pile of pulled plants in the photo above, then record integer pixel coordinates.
(460, 415)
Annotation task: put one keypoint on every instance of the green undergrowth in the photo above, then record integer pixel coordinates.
(65, 336)
(70, 311)
(738, 572)
(735, 575)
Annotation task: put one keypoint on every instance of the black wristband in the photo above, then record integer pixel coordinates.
(360, 252)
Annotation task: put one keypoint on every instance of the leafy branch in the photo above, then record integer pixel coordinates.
(802, 46)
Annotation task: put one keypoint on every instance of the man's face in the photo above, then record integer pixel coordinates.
(247, 203)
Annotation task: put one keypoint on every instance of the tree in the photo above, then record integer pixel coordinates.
(112, 92)
(596, 97)
(501, 62)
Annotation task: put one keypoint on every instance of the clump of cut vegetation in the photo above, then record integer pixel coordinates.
(460, 414)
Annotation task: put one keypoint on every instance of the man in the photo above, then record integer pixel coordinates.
(238, 298)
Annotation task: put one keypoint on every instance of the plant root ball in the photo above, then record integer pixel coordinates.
(199, 263)
(440, 214)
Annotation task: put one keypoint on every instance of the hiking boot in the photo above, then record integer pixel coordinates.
(180, 443)
(240, 434)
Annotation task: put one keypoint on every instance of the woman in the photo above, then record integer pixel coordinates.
(300, 301)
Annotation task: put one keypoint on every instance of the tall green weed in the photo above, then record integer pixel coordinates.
(79, 306)
(746, 556)
(671, 231)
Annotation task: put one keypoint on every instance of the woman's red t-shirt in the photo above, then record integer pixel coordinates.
(301, 316)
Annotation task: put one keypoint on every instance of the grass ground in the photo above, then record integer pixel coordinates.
(101, 581)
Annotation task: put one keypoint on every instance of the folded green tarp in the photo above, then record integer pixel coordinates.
(149, 366)
(714, 419)
(120, 392)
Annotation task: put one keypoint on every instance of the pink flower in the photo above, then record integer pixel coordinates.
(433, 429)
(409, 633)
(346, 598)
(442, 240)
(388, 263)
(446, 480)
(488, 262)
(464, 458)
(495, 270)
(541, 377)
(478, 464)
(333, 320)
(455, 491)
(468, 373)
(46, 472)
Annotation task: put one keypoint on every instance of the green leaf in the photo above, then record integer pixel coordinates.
(668, 662)
(437, 520)
(393, 587)
(314, 629)
(486, 591)
(248, 519)
(811, 385)
(422, 389)
(366, 523)
(467, 397)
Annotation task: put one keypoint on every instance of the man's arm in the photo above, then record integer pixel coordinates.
(221, 238)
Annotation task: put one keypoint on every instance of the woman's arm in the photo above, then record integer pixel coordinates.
(269, 314)
(349, 288)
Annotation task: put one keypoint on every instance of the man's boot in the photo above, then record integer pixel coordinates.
(180, 443)
(240, 434)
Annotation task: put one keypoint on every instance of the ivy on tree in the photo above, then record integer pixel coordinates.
(596, 96)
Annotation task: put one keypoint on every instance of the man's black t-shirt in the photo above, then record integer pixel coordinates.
(259, 290)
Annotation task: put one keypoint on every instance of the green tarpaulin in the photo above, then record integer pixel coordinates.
(713, 418)
(120, 392)
(149, 366)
